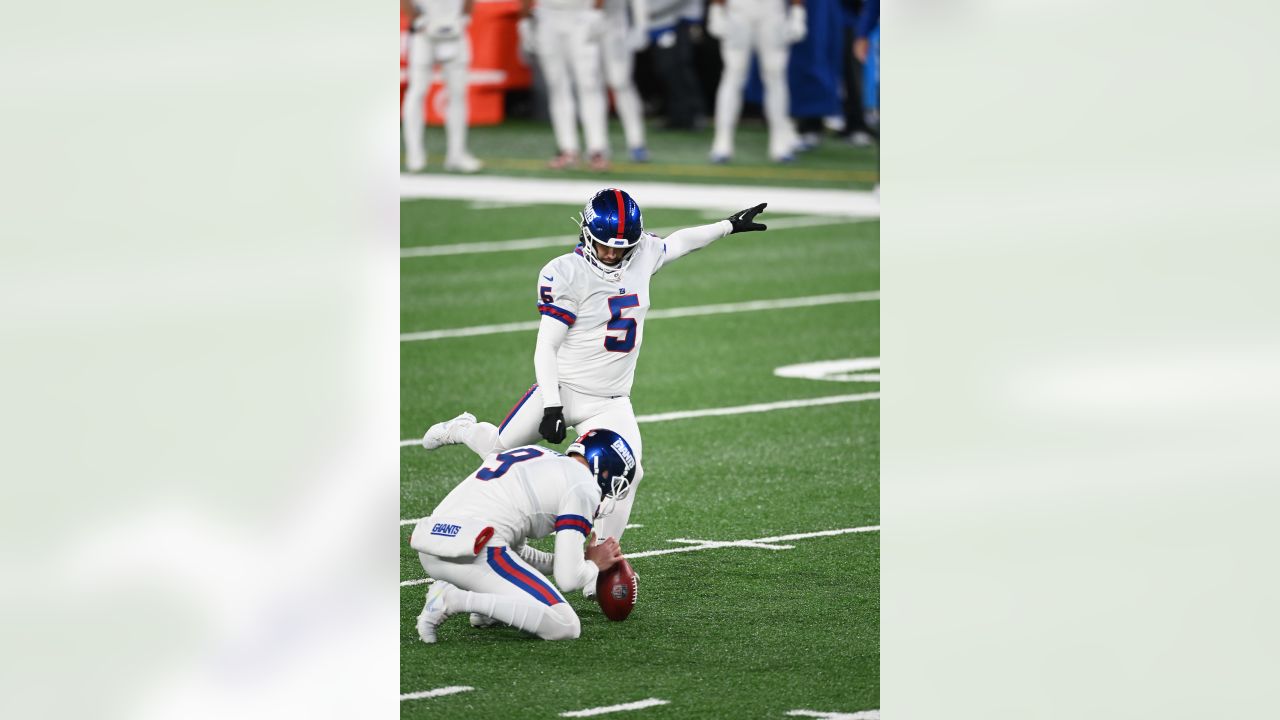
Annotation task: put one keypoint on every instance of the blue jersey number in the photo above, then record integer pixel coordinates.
(506, 460)
(627, 342)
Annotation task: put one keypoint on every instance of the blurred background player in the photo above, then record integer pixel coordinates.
(524, 493)
(593, 303)
(766, 28)
(672, 59)
(866, 48)
(625, 34)
(565, 35)
(438, 35)
(857, 131)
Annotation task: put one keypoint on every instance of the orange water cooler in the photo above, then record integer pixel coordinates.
(496, 65)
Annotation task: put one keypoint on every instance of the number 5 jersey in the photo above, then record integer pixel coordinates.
(604, 312)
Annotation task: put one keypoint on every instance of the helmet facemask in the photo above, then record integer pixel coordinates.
(620, 487)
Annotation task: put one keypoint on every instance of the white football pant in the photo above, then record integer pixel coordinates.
(498, 583)
(759, 27)
(582, 413)
(454, 57)
(618, 64)
(565, 50)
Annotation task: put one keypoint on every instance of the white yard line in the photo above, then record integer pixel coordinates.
(566, 240)
(862, 715)
(729, 198)
(756, 542)
(436, 693)
(470, 331)
(766, 543)
(738, 410)
(846, 370)
(637, 705)
(692, 311)
(758, 408)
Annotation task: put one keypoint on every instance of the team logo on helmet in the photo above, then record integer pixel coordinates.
(620, 446)
(612, 463)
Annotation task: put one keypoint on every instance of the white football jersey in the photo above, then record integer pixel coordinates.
(526, 492)
(605, 317)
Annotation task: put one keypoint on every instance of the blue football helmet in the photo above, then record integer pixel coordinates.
(610, 218)
(611, 461)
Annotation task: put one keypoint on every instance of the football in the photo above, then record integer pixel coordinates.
(616, 590)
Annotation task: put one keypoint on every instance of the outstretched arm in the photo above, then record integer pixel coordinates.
(683, 242)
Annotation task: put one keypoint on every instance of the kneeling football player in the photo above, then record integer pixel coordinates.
(473, 544)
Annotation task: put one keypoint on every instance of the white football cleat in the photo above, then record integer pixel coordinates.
(434, 612)
(415, 161)
(464, 164)
(483, 621)
(445, 433)
(564, 160)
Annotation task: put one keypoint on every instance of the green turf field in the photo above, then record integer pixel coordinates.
(522, 148)
(736, 632)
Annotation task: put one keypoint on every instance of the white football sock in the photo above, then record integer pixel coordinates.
(456, 111)
(777, 101)
(729, 99)
(627, 103)
(549, 622)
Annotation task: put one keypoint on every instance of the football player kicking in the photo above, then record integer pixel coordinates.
(593, 303)
(473, 544)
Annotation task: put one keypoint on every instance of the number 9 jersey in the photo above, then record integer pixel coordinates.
(604, 312)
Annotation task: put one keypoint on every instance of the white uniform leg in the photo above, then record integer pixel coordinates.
(585, 58)
(735, 51)
(774, 53)
(500, 585)
(617, 415)
(481, 437)
(618, 65)
(413, 125)
(455, 79)
(553, 57)
(520, 427)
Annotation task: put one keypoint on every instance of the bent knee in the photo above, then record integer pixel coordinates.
(560, 623)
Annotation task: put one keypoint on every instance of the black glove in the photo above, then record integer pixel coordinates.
(552, 426)
(744, 220)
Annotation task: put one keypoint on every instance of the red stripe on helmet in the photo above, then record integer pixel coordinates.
(622, 213)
